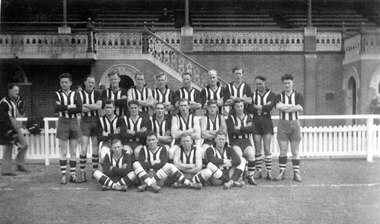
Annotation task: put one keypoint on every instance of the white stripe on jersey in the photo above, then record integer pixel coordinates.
(237, 92)
(12, 111)
(135, 126)
(140, 95)
(184, 125)
(66, 99)
(261, 100)
(158, 128)
(241, 123)
(109, 126)
(190, 95)
(213, 95)
(289, 100)
(162, 97)
(88, 98)
(115, 96)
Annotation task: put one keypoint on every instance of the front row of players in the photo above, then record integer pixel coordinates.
(152, 169)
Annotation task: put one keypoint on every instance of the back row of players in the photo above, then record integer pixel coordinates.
(137, 146)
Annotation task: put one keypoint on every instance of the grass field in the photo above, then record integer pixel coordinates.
(332, 191)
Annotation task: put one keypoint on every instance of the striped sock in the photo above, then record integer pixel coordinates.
(268, 162)
(178, 175)
(218, 174)
(105, 181)
(296, 165)
(259, 162)
(126, 181)
(73, 164)
(160, 175)
(63, 164)
(236, 175)
(199, 179)
(251, 168)
(283, 160)
(142, 175)
(95, 161)
(82, 162)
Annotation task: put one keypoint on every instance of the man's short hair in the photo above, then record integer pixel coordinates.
(183, 100)
(212, 72)
(211, 102)
(287, 76)
(11, 85)
(160, 74)
(136, 74)
(237, 100)
(114, 141)
(65, 75)
(186, 135)
(109, 101)
(150, 133)
(262, 78)
(187, 73)
(89, 76)
(111, 73)
(133, 102)
(159, 103)
(220, 132)
(237, 68)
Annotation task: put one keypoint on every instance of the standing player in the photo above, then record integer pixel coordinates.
(237, 89)
(68, 103)
(162, 93)
(10, 133)
(239, 126)
(225, 157)
(188, 159)
(290, 104)
(188, 92)
(213, 91)
(117, 172)
(183, 123)
(92, 102)
(263, 100)
(153, 162)
(136, 127)
(109, 128)
(142, 94)
(115, 93)
(161, 125)
(211, 123)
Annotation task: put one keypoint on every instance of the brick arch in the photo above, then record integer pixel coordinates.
(124, 70)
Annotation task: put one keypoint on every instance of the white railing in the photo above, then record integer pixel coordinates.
(322, 141)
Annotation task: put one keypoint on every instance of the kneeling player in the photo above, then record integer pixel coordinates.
(117, 169)
(225, 157)
(153, 162)
(188, 159)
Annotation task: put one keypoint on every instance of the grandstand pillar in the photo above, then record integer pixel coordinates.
(310, 75)
(64, 28)
(187, 32)
(309, 24)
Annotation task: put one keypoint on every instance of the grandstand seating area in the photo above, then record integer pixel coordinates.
(18, 16)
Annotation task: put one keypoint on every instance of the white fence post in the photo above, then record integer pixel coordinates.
(47, 145)
(369, 139)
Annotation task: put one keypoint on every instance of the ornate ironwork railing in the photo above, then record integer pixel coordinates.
(329, 41)
(48, 44)
(113, 43)
(365, 42)
(177, 60)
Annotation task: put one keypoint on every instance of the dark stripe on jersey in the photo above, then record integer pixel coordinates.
(289, 100)
(213, 124)
(184, 125)
(109, 126)
(162, 97)
(135, 126)
(190, 95)
(66, 99)
(261, 100)
(88, 98)
(158, 128)
(240, 122)
(188, 159)
(214, 95)
(140, 95)
(12, 111)
(110, 94)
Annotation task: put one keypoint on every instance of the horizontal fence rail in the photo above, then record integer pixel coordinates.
(317, 141)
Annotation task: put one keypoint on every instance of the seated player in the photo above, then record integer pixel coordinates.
(211, 123)
(152, 167)
(135, 130)
(225, 157)
(183, 123)
(239, 126)
(161, 125)
(117, 169)
(188, 159)
(109, 126)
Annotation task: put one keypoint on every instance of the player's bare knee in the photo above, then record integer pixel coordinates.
(212, 167)
(206, 173)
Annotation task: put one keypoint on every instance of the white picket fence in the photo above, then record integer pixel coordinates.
(321, 141)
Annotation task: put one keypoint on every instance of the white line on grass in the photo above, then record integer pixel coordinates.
(260, 185)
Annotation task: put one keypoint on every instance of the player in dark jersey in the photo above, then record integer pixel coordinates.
(213, 91)
(153, 168)
(289, 103)
(239, 126)
(117, 169)
(142, 94)
(188, 92)
(115, 93)
(68, 104)
(237, 89)
(161, 125)
(136, 127)
(92, 102)
(227, 160)
(109, 128)
(10, 133)
(184, 123)
(162, 93)
(263, 100)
